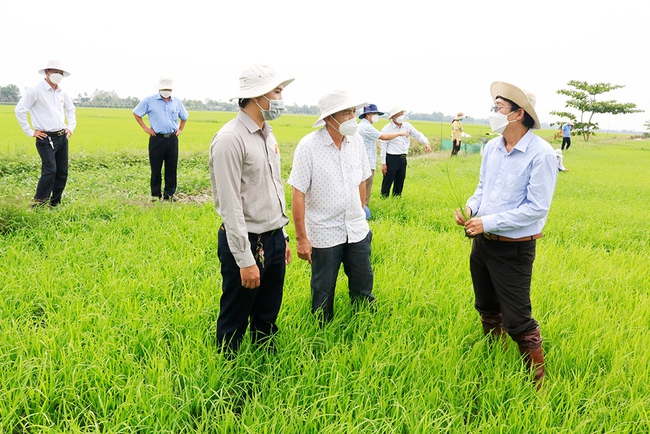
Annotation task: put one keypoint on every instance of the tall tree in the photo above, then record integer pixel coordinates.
(9, 93)
(583, 96)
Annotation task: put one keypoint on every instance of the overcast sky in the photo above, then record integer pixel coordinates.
(425, 55)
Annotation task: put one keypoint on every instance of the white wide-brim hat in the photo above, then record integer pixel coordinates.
(165, 82)
(460, 115)
(54, 64)
(394, 110)
(334, 102)
(258, 80)
(523, 98)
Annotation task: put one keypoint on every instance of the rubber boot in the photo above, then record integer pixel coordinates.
(493, 325)
(530, 347)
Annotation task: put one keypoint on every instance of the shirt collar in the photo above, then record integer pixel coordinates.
(522, 144)
(251, 125)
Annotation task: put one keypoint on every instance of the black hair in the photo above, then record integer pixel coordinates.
(243, 101)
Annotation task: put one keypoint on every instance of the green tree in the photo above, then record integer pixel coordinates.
(9, 93)
(583, 96)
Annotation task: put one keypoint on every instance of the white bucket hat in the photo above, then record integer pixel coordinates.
(54, 64)
(165, 82)
(394, 110)
(258, 80)
(334, 102)
(523, 98)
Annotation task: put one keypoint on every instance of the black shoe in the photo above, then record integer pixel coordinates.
(171, 198)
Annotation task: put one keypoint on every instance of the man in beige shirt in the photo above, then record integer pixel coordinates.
(249, 196)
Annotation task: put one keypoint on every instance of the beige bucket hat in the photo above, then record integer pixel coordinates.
(258, 80)
(523, 98)
(334, 102)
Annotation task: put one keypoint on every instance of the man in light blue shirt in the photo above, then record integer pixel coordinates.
(508, 211)
(164, 112)
(370, 136)
(566, 134)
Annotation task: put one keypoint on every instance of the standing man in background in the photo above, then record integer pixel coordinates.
(508, 211)
(456, 133)
(164, 112)
(49, 107)
(249, 196)
(370, 136)
(393, 152)
(566, 134)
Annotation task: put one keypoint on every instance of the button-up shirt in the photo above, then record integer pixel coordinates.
(515, 188)
(370, 136)
(246, 185)
(49, 109)
(163, 115)
(330, 178)
(400, 144)
(566, 130)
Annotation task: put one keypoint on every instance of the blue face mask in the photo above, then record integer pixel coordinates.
(276, 108)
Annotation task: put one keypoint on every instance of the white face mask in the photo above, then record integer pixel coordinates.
(399, 119)
(276, 108)
(165, 93)
(374, 118)
(56, 78)
(347, 128)
(499, 122)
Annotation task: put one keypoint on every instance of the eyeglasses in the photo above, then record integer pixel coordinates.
(498, 108)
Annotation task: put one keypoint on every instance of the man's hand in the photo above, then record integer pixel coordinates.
(304, 249)
(40, 134)
(428, 148)
(287, 254)
(250, 276)
(384, 169)
(149, 131)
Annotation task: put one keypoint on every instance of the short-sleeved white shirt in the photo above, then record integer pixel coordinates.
(330, 180)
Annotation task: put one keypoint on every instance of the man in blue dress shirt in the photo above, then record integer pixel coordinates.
(505, 216)
(164, 113)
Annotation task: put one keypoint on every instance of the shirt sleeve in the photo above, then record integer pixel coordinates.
(418, 135)
(383, 144)
(228, 158)
(142, 108)
(23, 106)
(300, 177)
(70, 112)
(183, 114)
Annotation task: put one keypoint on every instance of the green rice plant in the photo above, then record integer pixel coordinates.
(109, 303)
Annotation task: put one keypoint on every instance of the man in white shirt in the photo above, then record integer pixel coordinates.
(328, 177)
(393, 152)
(49, 107)
(369, 116)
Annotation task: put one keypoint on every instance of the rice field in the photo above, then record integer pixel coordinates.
(108, 303)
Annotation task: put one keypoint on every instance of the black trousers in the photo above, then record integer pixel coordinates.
(163, 151)
(455, 147)
(53, 151)
(395, 174)
(566, 141)
(259, 306)
(502, 274)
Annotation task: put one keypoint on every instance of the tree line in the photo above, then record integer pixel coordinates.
(582, 96)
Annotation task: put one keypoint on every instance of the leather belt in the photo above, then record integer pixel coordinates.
(493, 237)
(166, 136)
(55, 133)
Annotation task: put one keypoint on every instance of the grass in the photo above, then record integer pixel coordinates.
(109, 303)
